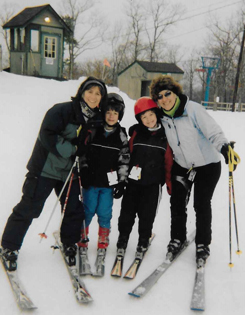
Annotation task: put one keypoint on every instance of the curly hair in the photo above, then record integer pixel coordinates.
(164, 82)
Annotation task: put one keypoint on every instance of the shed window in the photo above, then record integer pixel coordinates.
(16, 39)
(49, 47)
(34, 40)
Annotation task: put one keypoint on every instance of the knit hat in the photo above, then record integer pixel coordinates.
(162, 83)
(87, 85)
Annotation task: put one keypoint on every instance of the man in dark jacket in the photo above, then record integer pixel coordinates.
(48, 168)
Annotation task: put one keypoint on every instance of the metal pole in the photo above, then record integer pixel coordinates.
(209, 73)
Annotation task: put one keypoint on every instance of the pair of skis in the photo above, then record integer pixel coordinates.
(22, 298)
(81, 293)
(133, 268)
(198, 294)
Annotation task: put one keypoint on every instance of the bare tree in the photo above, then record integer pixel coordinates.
(87, 29)
(161, 14)
(7, 11)
(224, 43)
(136, 15)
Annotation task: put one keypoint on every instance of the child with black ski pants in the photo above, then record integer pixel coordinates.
(149, 169)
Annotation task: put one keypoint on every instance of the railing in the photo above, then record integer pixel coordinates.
(240, 107)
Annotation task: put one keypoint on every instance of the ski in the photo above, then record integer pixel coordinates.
(118, 263)
(23, 300)
(84, 265)
(100, 263)
(81, 293)
(145, 286)
(198, 295)
(134, 267)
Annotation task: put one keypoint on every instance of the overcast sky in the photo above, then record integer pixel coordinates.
(188, 33)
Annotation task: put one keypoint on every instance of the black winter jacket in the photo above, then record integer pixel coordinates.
(105, 154)
(55, 147)
(150, 151)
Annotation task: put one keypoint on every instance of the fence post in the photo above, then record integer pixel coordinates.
(216, 101)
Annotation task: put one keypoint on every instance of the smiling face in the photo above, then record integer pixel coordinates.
(111, 117)
(149, 119)
(92, 96)
(166, 99)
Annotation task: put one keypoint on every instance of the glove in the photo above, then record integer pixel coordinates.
(224, 151)
(85, 180)
(119, 190)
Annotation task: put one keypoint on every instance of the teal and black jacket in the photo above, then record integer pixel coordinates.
(55, 148)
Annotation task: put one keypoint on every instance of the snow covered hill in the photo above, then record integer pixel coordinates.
(23, 103)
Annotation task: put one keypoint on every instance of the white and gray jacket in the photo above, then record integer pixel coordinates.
(194, 136)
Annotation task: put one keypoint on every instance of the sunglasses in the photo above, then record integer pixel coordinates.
(166, 94)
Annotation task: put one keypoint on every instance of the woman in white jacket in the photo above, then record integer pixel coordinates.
(197, 141)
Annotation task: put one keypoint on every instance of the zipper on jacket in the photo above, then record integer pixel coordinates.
(176, 132)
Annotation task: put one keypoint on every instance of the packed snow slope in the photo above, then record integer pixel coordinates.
(23, 103)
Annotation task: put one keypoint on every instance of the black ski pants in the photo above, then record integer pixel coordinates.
(142, 201)
(204, 183)
(35, 192)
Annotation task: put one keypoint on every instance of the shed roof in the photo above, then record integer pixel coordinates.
(158, 67)
(28, 14)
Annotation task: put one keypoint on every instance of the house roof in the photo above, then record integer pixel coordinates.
(28, 14)
(159, 67)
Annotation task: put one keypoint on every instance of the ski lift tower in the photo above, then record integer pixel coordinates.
(209, 63)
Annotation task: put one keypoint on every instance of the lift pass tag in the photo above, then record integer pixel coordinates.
(192, 175)
(112, 178)
(135, 173)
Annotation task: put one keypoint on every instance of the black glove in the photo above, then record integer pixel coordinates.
(224, 151)
(85, 180)
(119, 190)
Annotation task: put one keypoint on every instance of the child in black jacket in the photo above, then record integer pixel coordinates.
(104, 169)
(149, 169)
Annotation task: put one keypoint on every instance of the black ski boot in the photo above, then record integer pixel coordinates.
(9, 258)
(174, 247)
(202, 254)
(142, 248)
(70, 253)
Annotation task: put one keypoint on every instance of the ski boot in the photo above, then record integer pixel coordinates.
(174, 247)
(202, 254)
(70, 253)
(9, 258)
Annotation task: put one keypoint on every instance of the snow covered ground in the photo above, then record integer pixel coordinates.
(23, 103)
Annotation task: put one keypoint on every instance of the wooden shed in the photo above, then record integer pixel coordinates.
(37, 42)
(136, 78)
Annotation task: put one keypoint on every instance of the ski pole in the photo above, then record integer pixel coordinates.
(230, 236)
(43, 235)
(235, 217)
(81, 199)
(68, 192)
(233, 161)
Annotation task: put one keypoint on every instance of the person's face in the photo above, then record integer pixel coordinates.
(166, 99)
(111, 117)
(92, 96)
(149, 119)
